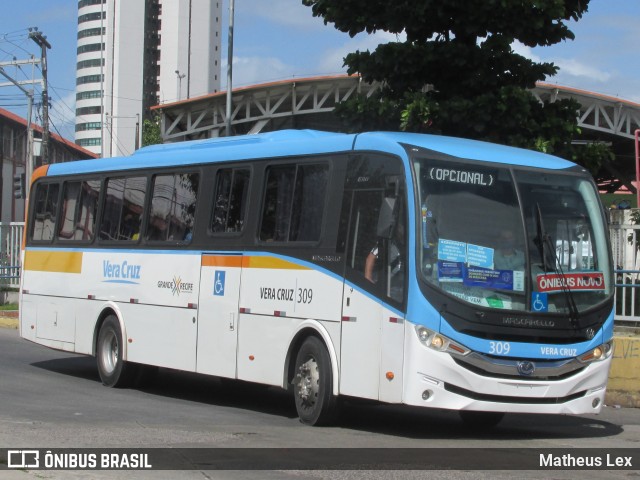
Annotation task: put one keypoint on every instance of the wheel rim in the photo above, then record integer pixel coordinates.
(308, 384)
(109, 357)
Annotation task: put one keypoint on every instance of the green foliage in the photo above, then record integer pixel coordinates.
(534, 23)
(456, 73)
(151, 132)
(592, 156)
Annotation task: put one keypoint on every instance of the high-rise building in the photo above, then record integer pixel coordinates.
(133, 54)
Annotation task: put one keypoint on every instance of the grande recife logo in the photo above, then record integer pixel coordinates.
(585, 281)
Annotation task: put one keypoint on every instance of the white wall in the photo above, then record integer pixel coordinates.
(193, 49)
(194, 53)
(124, 79)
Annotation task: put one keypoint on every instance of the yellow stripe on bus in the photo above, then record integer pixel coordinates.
(52, 261)
(248, 261)
(271, 262)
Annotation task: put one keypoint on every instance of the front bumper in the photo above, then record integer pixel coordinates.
(435, 379)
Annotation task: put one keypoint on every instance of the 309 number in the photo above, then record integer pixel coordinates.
(499, 348)
(305, 295)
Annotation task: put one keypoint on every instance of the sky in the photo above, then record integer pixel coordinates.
(280, 39)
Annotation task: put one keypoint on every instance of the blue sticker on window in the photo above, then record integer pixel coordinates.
(452, 251)
(478, 256)
(450, 271)
(539, 302)
(487, 278)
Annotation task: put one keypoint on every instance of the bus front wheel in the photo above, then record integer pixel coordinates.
(313, 384)
(113, 370)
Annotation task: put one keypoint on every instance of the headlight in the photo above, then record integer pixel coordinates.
(601, 352)
(438, 342)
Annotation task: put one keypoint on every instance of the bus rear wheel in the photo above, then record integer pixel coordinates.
(113, 370)
(313, 384)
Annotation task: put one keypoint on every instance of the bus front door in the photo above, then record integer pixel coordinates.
(218, 314)
(372, 324)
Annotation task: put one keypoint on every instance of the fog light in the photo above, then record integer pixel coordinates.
(426, 395)
(595, 403)
(423, 334)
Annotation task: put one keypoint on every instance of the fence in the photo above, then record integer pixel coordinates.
(10, 243)
(624, 230)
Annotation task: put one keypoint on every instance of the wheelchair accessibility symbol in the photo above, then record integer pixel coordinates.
(539, 302)
(218, 284)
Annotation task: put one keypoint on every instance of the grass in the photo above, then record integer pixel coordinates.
(609, 199)
(9, 306)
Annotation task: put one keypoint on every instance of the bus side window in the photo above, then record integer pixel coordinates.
(363, 225)
(377, 260)
(374, 215)
(44, 212)
(122, 212)
(173, 207)
(230, 200)
(79, 209)
(294, 202)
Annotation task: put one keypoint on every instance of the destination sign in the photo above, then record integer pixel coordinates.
(585, 281)
(457, 175)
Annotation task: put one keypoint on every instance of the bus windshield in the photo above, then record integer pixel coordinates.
(503, 238)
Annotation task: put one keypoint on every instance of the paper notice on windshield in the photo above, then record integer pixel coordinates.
(476, 296)
(450, 271)
(497, 279)
(478, 256)
(452, 251)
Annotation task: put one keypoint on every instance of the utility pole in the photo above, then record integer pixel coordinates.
(44, 45)
(137, 140)
(230, 68)
(29, 93)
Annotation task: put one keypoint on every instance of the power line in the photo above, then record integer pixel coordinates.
(116, 140)
(64, 145)
(19, 47)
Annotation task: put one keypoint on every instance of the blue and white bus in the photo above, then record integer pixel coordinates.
(403, 268)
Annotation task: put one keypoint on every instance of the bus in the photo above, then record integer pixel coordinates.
(401, 268)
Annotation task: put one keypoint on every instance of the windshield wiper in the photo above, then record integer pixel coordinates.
(541, 239)
(545, 246)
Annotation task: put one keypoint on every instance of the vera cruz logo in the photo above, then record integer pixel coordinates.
(124, 272)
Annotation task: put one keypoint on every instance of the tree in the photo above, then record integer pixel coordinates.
(455, 72)
(151, 132)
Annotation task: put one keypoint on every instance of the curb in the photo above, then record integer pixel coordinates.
(624, 380)
(8, 321)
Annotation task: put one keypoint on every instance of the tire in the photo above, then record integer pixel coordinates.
(113, 370)
(313, 384)
(478, 420)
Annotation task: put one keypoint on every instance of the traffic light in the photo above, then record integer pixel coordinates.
(19, 185)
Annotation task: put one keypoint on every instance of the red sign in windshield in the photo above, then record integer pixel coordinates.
(552, 282)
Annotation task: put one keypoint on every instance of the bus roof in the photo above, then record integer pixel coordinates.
(286, 143)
